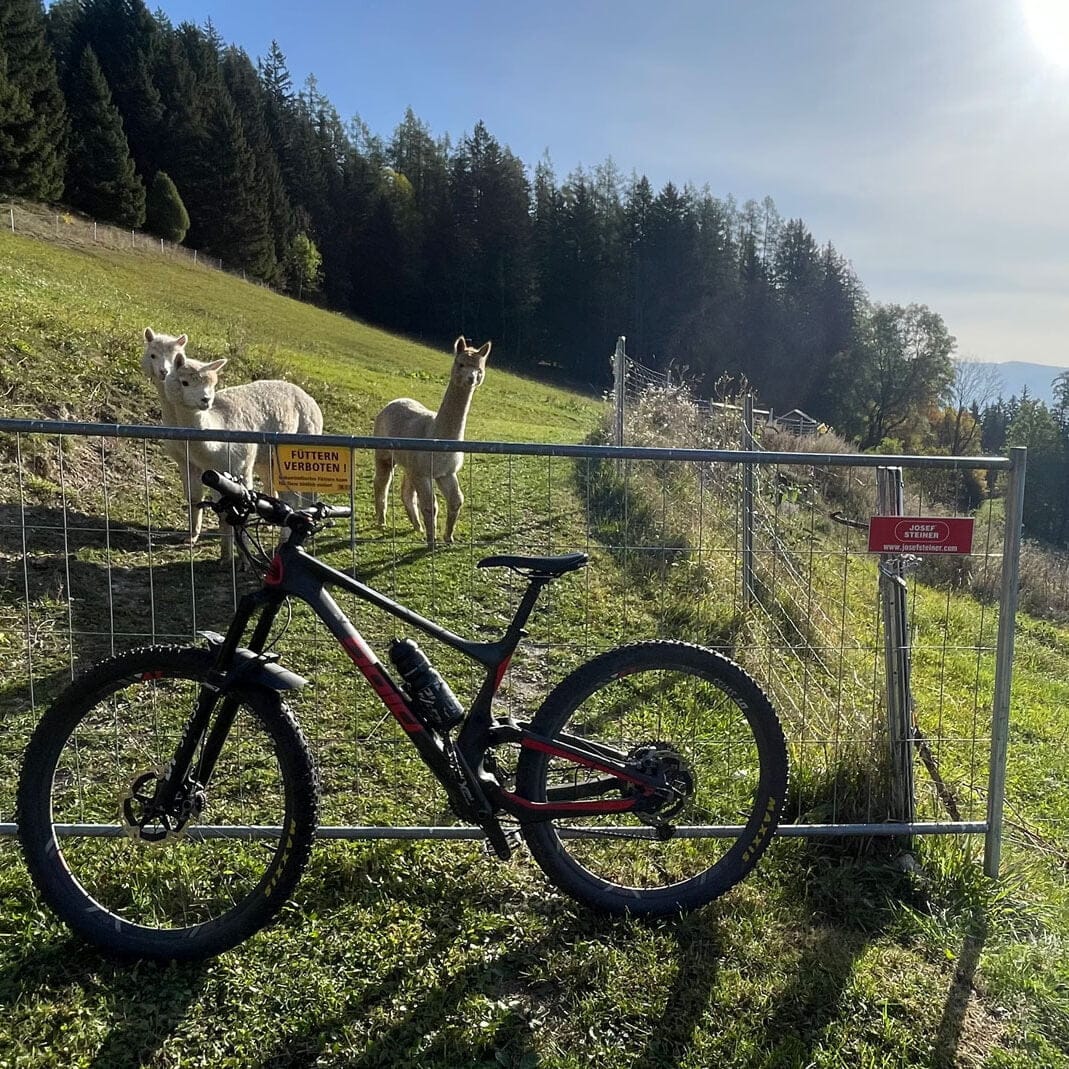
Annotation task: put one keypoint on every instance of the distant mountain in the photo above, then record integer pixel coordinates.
(1016, 375)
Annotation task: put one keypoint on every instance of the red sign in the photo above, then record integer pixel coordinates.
(920, 534)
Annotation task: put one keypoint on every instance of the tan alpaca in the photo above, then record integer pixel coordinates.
(405, 418)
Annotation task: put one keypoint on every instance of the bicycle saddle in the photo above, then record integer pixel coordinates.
(549, 567)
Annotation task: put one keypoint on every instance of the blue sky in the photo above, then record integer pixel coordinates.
(928, 140)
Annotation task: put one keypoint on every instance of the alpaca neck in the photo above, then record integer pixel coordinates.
(452, 417)
(184, 416)
(168, 418)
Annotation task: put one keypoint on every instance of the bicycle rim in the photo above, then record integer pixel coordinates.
(695, 712)
(196, 889)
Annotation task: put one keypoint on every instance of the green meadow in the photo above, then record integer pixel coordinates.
(430, 954)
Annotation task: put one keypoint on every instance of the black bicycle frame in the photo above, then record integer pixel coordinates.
(473, 789)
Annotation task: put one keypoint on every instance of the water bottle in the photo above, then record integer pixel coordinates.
(425, 687)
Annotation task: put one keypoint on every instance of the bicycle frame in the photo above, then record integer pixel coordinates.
(473, 789)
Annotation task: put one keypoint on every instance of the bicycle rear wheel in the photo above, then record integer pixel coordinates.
(695, 715)
(193, 892)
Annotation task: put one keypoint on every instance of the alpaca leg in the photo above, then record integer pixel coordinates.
(428, 504)
(383, 475)
(190, 477)
(450, 487)
(411, 502)
(194, 495)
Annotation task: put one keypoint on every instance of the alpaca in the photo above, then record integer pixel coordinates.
(263, 405)
(156, 362)
(405, 418)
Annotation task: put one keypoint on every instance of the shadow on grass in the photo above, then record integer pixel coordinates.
(853, 893)
(951, 1024)
(142, 1003)
(428, 1031)
(698, 953)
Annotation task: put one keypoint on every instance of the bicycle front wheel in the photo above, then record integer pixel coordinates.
(182, 889)
(699, 718)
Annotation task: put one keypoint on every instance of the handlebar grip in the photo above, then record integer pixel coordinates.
(335, 512)
(226, 484)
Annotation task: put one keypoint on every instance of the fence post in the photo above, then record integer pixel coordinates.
(619, 370)
(747, 505)
(1007, 614)
(11, 212)
(896, 649)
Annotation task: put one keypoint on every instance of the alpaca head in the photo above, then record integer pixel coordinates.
(192, 384)
(159, 354)
(469, 365)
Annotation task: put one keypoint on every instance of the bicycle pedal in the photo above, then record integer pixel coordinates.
(501, 843)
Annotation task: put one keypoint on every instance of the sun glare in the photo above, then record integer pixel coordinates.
(1048, 21)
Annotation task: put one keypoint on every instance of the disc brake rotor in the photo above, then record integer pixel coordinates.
(145, 821)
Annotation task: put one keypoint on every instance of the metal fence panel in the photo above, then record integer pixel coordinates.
(95, 560)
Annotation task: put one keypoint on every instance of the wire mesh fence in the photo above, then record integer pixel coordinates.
(94, 540)
(73, 228)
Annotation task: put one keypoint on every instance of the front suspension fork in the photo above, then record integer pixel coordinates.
(182, 774)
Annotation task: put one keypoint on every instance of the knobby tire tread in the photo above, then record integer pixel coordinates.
(549, 851)
(61, 891)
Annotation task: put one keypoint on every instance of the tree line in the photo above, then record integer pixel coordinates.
(115, 111)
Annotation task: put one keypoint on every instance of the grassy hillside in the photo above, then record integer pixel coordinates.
(428, 954)
(73, 319)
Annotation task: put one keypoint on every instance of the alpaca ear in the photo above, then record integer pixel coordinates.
(179, 360)
(484, 352)
(215, 365)
(460, 345)
(182, 340)
(148, 334)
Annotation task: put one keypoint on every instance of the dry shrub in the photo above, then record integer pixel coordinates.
(851, 491)
(670, 417)
(1044, 582)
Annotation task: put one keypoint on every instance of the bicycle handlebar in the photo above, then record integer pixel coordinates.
(240, 500)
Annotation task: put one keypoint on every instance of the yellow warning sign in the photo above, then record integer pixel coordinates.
(313, 469)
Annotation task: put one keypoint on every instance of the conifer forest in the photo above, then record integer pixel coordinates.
(109, 109)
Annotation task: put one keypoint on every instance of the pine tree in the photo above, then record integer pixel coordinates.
(493, 268)
(101, 179)
(127, 41)
(33, 118)
(248, 95)
(231, 219)
(165, 214)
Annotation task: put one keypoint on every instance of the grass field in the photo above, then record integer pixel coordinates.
(429, 954)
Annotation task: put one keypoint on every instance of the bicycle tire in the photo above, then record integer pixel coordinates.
(688, 701)
(191, 895)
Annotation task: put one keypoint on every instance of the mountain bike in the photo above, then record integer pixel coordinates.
(168, 802)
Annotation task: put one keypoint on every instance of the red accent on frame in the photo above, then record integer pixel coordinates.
(501, 669)
(365, 660)
(587, 762)
(604, 805)
(274, 572)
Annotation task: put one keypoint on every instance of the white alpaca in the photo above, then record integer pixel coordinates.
(405, 418)
(263, 405)
(156, 362)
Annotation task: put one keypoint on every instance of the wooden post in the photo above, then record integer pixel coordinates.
(619, 369)
(747, 505)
